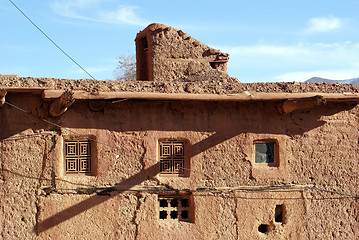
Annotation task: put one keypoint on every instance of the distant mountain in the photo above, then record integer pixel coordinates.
(354, 81)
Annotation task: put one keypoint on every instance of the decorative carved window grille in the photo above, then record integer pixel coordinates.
(78, 156)
(172, 157)
(174, 208)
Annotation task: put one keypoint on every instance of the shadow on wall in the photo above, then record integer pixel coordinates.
(41, 178)
(226, 119)
(93, 201)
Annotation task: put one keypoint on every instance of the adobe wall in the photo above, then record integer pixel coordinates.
(318, 147)
(167, 54)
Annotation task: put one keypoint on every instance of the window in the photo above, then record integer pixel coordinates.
(265, 152)
(172, 156)
(174, 208)
(78, 156)
(268, 156)
(278, 213)
(142, 59)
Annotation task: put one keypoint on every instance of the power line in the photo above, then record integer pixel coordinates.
(138, 155)
(204, 173)
(50, 39)
(268, 188)
(53, 150)
(25, 136)
(129, 152)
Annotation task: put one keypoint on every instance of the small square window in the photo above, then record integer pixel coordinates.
(265, 152)
(78, 156)
(172, 157)
(174, 208)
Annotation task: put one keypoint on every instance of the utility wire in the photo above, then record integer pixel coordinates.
(129, 152)
(126, 151)
(204, 173)
(25, 136)
(51, 39)
(53, 150)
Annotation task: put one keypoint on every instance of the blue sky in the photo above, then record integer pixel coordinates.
(277, 40)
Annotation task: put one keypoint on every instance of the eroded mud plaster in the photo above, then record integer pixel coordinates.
(229, 195)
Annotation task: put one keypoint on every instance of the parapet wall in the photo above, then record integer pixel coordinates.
(166, 54)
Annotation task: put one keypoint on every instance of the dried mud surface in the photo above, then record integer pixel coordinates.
(213, 82)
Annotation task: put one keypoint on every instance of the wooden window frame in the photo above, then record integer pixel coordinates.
(80, 153)
(171, 159)
(275, 162)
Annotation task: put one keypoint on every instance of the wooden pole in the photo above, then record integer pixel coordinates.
(60, 105)
(3, 93)
(291, 105)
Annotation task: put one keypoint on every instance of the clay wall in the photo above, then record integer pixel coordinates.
(317, 147)
(165, 54)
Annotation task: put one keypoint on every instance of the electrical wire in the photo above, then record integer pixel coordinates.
(67, 55)
(53, 150)
(25, 136)
(204, 173)
(129, 152)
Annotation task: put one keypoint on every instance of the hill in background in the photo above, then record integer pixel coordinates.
(354, 81)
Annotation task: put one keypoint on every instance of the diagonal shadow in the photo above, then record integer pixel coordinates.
(95, 200)
(42, 178)
(211, 141)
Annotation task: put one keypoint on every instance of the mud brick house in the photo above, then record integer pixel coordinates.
(184, 152)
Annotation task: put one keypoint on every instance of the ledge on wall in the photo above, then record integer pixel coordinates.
(243, 96)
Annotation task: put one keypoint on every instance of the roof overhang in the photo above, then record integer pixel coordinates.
(289, 102)
(238, 97)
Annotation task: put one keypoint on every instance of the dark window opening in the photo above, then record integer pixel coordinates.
(142, 59)
(174, 203)
(174, 208)
(184, 214)
(214, 65)
(264, 152)
(184, 202)
(278, 217)
(163, 203)
(144, 43)
(174, 214)
(263, 228)
(163, 214)
(218, 65)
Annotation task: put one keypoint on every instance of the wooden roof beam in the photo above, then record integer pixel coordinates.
(237, 97)
(60, 105)
(3, 93)
(291, 105)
